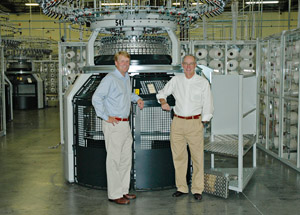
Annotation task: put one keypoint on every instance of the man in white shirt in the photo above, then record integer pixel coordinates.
(194, 105)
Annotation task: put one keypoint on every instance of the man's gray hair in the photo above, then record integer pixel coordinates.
(189, 55)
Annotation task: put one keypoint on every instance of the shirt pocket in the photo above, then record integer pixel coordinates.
(196, 95)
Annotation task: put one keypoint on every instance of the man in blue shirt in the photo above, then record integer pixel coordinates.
(112, 100)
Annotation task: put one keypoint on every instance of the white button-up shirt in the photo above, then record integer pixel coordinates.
(193, 96)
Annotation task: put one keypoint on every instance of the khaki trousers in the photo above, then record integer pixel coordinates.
(118, 143)
(189, 132)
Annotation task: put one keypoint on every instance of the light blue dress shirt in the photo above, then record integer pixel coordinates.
(113, 96)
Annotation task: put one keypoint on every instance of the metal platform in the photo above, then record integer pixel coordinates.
(233, 176)
(228, 144)
(216, 183)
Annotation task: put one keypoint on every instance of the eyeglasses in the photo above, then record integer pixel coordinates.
(188, 64)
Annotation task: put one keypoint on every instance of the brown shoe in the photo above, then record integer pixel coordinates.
(121, 201)
(198, 196)
(178, 193)
(129, 196)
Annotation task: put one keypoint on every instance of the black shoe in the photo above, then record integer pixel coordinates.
(198, 196)
(177, 194)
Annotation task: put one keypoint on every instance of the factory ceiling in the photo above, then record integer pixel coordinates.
(19, 7)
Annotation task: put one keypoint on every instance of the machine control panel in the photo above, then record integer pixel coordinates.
(148, 85)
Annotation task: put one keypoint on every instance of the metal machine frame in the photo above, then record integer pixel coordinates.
(2, 89)
(233, 125)
(68, 125)
(66, 76)
(278, 97)
(10, 97)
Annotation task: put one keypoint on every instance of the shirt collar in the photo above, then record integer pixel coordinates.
(119, 75)
(192, 78)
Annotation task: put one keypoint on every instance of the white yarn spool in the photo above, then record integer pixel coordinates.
(293, 89)
(78, 57)
(277, 51)
(293, 131)
(216, 53)
(295, 61)
(216, 64)
(265, 52)
(297, 47)
(84, 54)
(182, 53)
(51, 70)
(201, 53)
(202, 62)
(276, 114)
(276, 103)
(265, 88)
(52, 90)
(277, 75)
(289, 49)
(70, 54)
(265, 99)
(247, 53)
(276, 142)
(232, 53)
(71, 77)
(293, 144)
(71, 65)
(277, 129)
(246, 64)
(232, 65)
(277, 61)
(265, 112)
(53, 80)
(275, 88)
(294, 117)
(52, 84)
(272, 64)
(293, 106)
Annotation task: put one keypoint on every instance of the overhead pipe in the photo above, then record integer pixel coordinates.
(298, 24)
(234, 10)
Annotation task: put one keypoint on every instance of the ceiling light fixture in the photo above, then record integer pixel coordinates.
(113, 4)
(194, 3)
(32, 4)
(262, 2)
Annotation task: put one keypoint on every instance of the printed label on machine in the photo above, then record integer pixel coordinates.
(151, 88)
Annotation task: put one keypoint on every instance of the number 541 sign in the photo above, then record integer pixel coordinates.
(119, 22)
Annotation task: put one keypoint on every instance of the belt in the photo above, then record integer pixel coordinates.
(188, 117)
(122, 119)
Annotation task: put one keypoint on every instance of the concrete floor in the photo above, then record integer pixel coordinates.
(32, 183)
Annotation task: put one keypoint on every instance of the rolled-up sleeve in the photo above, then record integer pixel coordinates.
(135, 97)
(208, 107)
(166, 91)
(99, 97)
